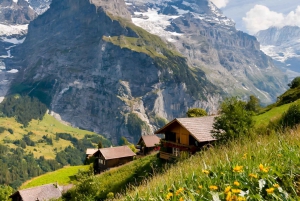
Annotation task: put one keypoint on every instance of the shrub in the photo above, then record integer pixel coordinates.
(295, 83)
(2, 129)
(196, 112)
(11, 131)
(291, 117)
(234, 120)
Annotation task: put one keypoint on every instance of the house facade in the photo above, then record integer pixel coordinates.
(148, 144)
(185, 135)
(106, 158)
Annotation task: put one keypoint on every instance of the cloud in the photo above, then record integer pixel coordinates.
(261, 17)
(220, 3)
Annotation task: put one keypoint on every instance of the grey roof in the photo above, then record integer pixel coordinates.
(91, 151)
(199, 127)
(149, 140)
(116, 152)
(41, 193)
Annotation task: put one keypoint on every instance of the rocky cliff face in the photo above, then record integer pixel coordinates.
(231, 59)
(283, 45)
(100, 72)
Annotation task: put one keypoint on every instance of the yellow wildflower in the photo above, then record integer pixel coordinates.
(236, 183)
(236, 190)
(253, 175)
(205, 171)
(213, 188)
(279, 155)
(262, 168)
(227, 189)
(200, 186)
(228, 197)
(179, 191)
(181, 199)
(241, 198)
(238, 168)
(270, 190)
(169, 195)
(276, 185)
(245, 156)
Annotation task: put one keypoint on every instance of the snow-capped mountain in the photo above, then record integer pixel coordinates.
(283, 45)
(199, 30)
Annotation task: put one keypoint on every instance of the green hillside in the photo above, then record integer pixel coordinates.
(36, 130)
(33, 142)
(63, 176)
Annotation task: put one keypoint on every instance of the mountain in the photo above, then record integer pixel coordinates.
(103, 73)
(283, 45)
(91, 63)
(209, 40)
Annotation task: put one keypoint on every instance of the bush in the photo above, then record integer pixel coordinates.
(291, 117)
(11, 131)
(2, 129)
(196, 112)
(295, 83)
(234, 120)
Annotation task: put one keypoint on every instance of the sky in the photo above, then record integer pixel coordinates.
(252, 16)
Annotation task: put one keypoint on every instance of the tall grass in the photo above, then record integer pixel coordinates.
(263, 168)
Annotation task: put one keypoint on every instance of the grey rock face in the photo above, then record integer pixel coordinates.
(16, 13)
(96, 85)
(283, 45)
(231, 59)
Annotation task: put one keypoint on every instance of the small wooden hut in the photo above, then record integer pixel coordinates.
(148, 143)
(106, 158)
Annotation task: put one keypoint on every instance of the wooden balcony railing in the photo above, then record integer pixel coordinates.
(181, 147)
(166, 156)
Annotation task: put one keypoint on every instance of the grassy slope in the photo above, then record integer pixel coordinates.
(274, 113)
(278, 154)
(48, 126)
(117, 179)
(63, 176)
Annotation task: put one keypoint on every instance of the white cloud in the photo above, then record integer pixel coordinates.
(261, 17)
(220, 3)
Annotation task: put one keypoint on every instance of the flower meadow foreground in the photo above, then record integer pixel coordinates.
(266, 172)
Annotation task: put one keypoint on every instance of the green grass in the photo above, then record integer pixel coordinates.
(115, 180)
(63, 176)
(48, 126)
(274, 113)
(272, 160)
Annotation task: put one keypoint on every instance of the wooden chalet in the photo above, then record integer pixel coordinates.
(90, 152)
(106, 158)
(187, 135)
(40, 193)
(148, 143)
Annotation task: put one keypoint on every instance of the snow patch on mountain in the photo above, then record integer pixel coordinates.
(9, 30)
(155, 23)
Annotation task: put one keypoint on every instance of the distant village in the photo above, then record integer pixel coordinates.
(181, 136)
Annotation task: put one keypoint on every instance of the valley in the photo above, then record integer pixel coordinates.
(78, 75)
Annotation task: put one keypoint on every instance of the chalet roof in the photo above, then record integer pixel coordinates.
(116, 152)
(199, 127)
(41, 193)
(91, 151)
(149, 140)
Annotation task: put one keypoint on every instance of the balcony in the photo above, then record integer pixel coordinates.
(166, 156)
(181, 147)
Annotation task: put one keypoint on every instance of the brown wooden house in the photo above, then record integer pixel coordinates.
(187, 135)
(148, 143)
(106, 158)
(90, 152)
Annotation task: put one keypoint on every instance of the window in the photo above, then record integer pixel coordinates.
(176, 151)
(101, 162)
